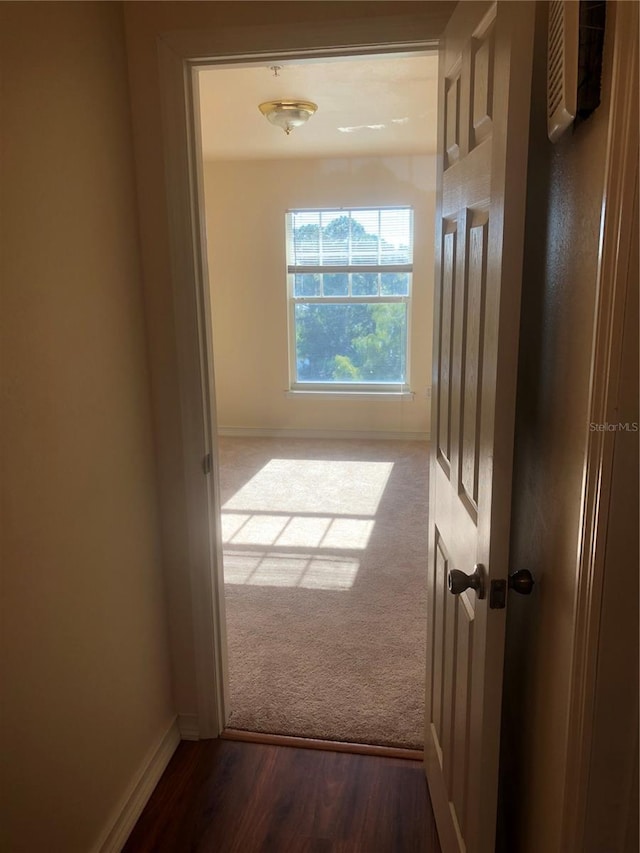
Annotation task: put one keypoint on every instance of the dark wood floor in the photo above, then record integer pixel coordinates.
(223, 796)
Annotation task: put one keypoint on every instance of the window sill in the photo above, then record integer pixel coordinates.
(350, 395)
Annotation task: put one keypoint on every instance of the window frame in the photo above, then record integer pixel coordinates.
(342, 389)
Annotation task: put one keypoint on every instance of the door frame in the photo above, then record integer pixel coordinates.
(181, 55)
(618, 198)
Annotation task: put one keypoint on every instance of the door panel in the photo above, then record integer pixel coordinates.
(485, 68)
(482, 85)
(472, 349)
(445, 332)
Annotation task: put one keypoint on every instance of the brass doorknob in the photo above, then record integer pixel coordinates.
(521, 581)
(458, 581)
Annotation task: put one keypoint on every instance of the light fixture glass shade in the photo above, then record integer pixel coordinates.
(288, 114)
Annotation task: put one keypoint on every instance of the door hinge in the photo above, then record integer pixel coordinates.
(206, 463)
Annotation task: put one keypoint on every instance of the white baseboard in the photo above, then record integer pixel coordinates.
(188, 726)
(130, 807)
(250, 432)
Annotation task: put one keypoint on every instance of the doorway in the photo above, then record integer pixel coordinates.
(195, 439)
(325, 627)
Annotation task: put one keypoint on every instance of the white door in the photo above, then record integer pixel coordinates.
(485, 77)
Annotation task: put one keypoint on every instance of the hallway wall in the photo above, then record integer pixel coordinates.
(85, 658)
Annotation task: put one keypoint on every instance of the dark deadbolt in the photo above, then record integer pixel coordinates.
(521, 581)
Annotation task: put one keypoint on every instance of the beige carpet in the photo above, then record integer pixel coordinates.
(325, 561)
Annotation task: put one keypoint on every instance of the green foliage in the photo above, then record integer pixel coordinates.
(349, 342)
(345, 370)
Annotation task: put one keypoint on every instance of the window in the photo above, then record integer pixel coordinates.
(349, 283)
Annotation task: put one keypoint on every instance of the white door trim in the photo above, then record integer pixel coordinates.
(615, 240)
(180, 55)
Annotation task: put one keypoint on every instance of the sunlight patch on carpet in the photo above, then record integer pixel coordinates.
(314, 486)
(292, 531)
(308, 571)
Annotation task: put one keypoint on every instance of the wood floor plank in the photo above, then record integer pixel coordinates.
(233, 797)
(340, 809)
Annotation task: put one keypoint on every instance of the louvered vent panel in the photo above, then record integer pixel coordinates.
(562, 66)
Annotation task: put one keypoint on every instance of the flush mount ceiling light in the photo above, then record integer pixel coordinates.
(288, 114)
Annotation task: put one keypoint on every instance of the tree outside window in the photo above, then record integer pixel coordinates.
(350, 283)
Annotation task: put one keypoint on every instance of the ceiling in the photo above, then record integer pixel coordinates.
(372, 106)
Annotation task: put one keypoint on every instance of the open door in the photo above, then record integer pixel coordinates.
(484, 78)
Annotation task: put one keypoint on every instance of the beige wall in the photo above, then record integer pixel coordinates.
(561, 254)
(85, 674)
(248, 285)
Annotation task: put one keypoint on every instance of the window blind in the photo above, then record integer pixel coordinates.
(351, 238)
